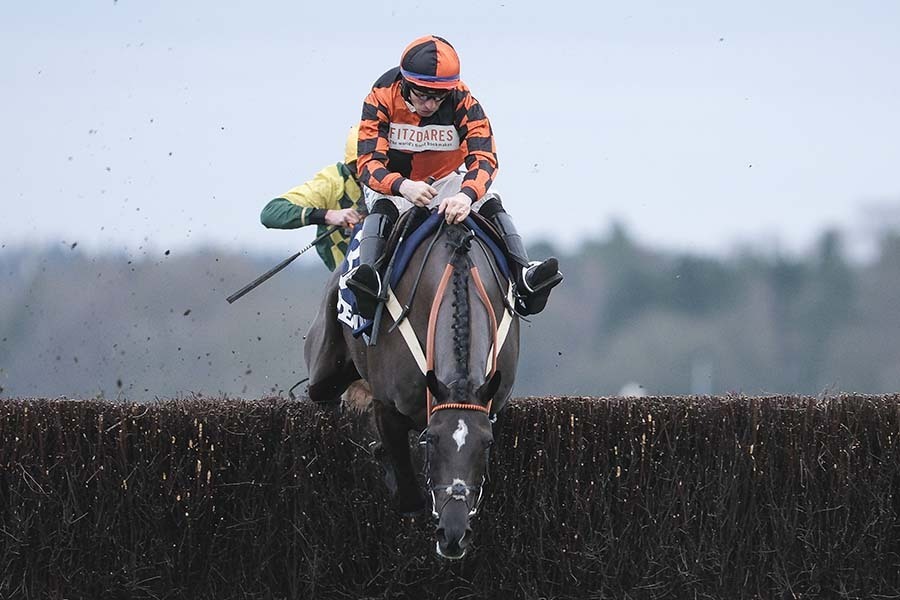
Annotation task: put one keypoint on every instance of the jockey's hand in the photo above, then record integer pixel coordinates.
(417, 192)
(455, 208)
(345, 218)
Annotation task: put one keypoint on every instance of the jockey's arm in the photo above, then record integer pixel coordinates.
(373, 147)
(316, 202)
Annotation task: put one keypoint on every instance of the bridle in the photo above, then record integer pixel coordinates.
(455, 491)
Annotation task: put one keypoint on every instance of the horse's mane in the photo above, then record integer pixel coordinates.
(456, 240)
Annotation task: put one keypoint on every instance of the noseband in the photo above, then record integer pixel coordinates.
(455, 491)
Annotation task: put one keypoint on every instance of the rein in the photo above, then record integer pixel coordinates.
(429, 345)
(412, 294)
(458, 491)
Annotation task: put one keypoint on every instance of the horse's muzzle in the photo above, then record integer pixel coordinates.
(453, 532)
(449, 546)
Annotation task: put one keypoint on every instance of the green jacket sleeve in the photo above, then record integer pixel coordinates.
(306, 204)
(280, 213)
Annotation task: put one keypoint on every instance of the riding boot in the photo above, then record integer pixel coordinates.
(534, 279)
(365, 280)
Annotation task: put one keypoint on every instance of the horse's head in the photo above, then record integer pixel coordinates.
(457, 443)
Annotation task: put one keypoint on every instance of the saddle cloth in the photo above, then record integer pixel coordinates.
(346, 301)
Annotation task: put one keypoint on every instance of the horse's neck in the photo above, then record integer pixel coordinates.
(470, 330)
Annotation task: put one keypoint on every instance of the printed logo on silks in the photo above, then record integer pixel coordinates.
(346, 301)
(429, 137)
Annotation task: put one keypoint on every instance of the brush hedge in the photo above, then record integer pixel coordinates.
(664, 497)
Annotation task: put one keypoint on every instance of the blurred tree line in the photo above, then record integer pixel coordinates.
(146, 326)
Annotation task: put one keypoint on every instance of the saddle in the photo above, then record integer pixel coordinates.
(422, 224)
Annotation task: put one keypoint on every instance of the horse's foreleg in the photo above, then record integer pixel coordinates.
(326, 386)
(394, 431)
(328, 360)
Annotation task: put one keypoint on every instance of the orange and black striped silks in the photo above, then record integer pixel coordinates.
(430, 62)
(396, 143)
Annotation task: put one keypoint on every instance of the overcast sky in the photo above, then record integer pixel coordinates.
(699, 125)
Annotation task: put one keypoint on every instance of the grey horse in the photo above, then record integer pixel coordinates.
(448, 385)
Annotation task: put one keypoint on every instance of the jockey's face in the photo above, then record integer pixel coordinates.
(426, 102)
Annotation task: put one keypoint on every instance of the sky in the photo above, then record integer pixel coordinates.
(699, 126)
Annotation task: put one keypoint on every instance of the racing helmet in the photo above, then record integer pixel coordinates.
(430, 62)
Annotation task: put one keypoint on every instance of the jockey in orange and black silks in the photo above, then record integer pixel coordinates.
(424, 140)
(421, 121)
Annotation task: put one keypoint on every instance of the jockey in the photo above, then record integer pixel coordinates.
(332, 197)
(420, 122)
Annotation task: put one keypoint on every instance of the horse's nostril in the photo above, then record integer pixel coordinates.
(467, 535)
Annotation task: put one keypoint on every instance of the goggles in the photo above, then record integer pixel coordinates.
(424, 95)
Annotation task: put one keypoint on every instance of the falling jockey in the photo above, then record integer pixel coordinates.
(420, 122)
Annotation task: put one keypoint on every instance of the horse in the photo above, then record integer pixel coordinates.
(455, 299)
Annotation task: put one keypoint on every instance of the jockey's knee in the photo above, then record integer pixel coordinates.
(491, 207)
(364, 280)
(386, 207)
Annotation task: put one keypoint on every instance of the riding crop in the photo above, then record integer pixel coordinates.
(256, 282)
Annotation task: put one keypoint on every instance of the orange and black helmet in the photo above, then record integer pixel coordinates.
(430, 62)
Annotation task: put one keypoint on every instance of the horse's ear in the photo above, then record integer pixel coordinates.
(440, 391)
(489, 388)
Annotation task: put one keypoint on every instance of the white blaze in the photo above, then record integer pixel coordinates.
(459, 436)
